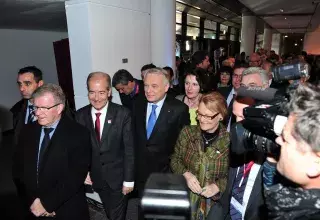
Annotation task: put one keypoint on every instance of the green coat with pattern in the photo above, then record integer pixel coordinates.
(210, 166)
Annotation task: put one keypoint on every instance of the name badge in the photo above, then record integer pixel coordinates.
(237, 205)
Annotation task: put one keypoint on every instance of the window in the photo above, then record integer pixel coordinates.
(178, 29)
(209, 34)
(178, 17)
(193, 20)
(193, 32)
(210, 25)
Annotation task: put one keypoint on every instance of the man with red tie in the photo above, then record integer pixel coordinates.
(111, 174)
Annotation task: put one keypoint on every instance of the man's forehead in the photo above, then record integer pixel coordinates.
(26, 76)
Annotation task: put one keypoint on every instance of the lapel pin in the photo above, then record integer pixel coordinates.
(109, 121)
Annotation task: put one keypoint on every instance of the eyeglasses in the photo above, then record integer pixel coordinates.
(35, 108)
(207, 117)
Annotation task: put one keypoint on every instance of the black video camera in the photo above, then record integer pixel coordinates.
(265, 120)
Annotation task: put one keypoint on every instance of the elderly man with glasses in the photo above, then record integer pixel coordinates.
(52, 160)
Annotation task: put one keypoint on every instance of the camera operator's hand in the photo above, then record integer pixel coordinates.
(210, 190)
(192, 182)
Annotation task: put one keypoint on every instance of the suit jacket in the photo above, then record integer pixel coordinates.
(63, 169)
(113, 157)
(127, 100)
(153, 154)
(18, 111)
(225, 91)
(256, 208)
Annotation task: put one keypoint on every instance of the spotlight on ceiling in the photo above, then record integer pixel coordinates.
(295, 44)
(285, 18)
(301, 39)
(286, 36)
(281, 10)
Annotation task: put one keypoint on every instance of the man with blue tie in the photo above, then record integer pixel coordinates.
(29, 79)
(158, 119)
(52, 160)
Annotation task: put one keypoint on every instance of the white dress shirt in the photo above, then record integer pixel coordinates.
(102, 117)
(230, 97)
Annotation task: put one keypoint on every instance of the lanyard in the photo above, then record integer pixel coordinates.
(246, 171)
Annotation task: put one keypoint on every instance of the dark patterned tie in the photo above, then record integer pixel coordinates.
(30, 116)
(97, 126)
(45, 143)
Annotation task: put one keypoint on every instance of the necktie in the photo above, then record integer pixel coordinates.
(30, 116)
(152, 121)
(97, 126)
(44, 144)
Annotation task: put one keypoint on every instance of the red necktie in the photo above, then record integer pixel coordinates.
(97, 126)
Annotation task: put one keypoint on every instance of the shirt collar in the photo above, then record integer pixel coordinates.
(54, 125)
(233, 92)
(134, 89)
(102, 111)
(159, 103)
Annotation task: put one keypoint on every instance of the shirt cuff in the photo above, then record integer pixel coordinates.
(128, 184)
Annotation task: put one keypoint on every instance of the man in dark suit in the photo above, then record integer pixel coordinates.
(243, 197)
(112, 167)
(230, 92)
(52, 160)
(158, 119)
(127, 86)
(29, 79)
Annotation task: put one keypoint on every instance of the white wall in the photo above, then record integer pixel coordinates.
(101, 34)
(21, 48)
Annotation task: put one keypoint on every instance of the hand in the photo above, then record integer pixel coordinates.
(36, 208)
(210, 190)
(126, 190)
(88, 180)
(192, 182)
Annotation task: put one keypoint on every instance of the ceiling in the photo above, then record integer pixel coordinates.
(287, 16)
(298, 16)
(33, 14)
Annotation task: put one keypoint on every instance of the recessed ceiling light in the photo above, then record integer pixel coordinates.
(301, 39)
(285, 18)
(281, 10)
(295, 44)
(286, 36)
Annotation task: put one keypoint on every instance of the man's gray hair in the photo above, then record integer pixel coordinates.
(305, 106)
(254, 70)
(52, 89)
(158, 71)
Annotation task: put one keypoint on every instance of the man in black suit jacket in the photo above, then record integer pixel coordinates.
(230, 92)
(243, 197)
(52, 160)
(29, 79)
(158, 119)
(112, 167)
(127, 86)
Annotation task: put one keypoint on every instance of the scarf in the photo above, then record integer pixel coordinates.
(288, 203)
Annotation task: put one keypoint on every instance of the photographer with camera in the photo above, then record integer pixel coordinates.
(299, 160)
(243, 197)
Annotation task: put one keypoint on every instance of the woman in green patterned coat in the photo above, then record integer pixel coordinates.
(201, 155)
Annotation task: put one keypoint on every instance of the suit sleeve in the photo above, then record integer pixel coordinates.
(76, 171)
(128, 141)
(176, 162)
(184, 117)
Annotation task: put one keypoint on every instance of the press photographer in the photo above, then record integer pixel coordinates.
(299, 159)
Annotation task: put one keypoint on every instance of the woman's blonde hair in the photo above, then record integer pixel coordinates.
(215, 102)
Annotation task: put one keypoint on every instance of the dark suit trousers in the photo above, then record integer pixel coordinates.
(114, 203)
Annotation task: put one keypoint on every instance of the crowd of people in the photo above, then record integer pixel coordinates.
(175, 121)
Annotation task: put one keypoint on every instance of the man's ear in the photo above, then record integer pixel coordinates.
(313, 170)
(40, 83)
